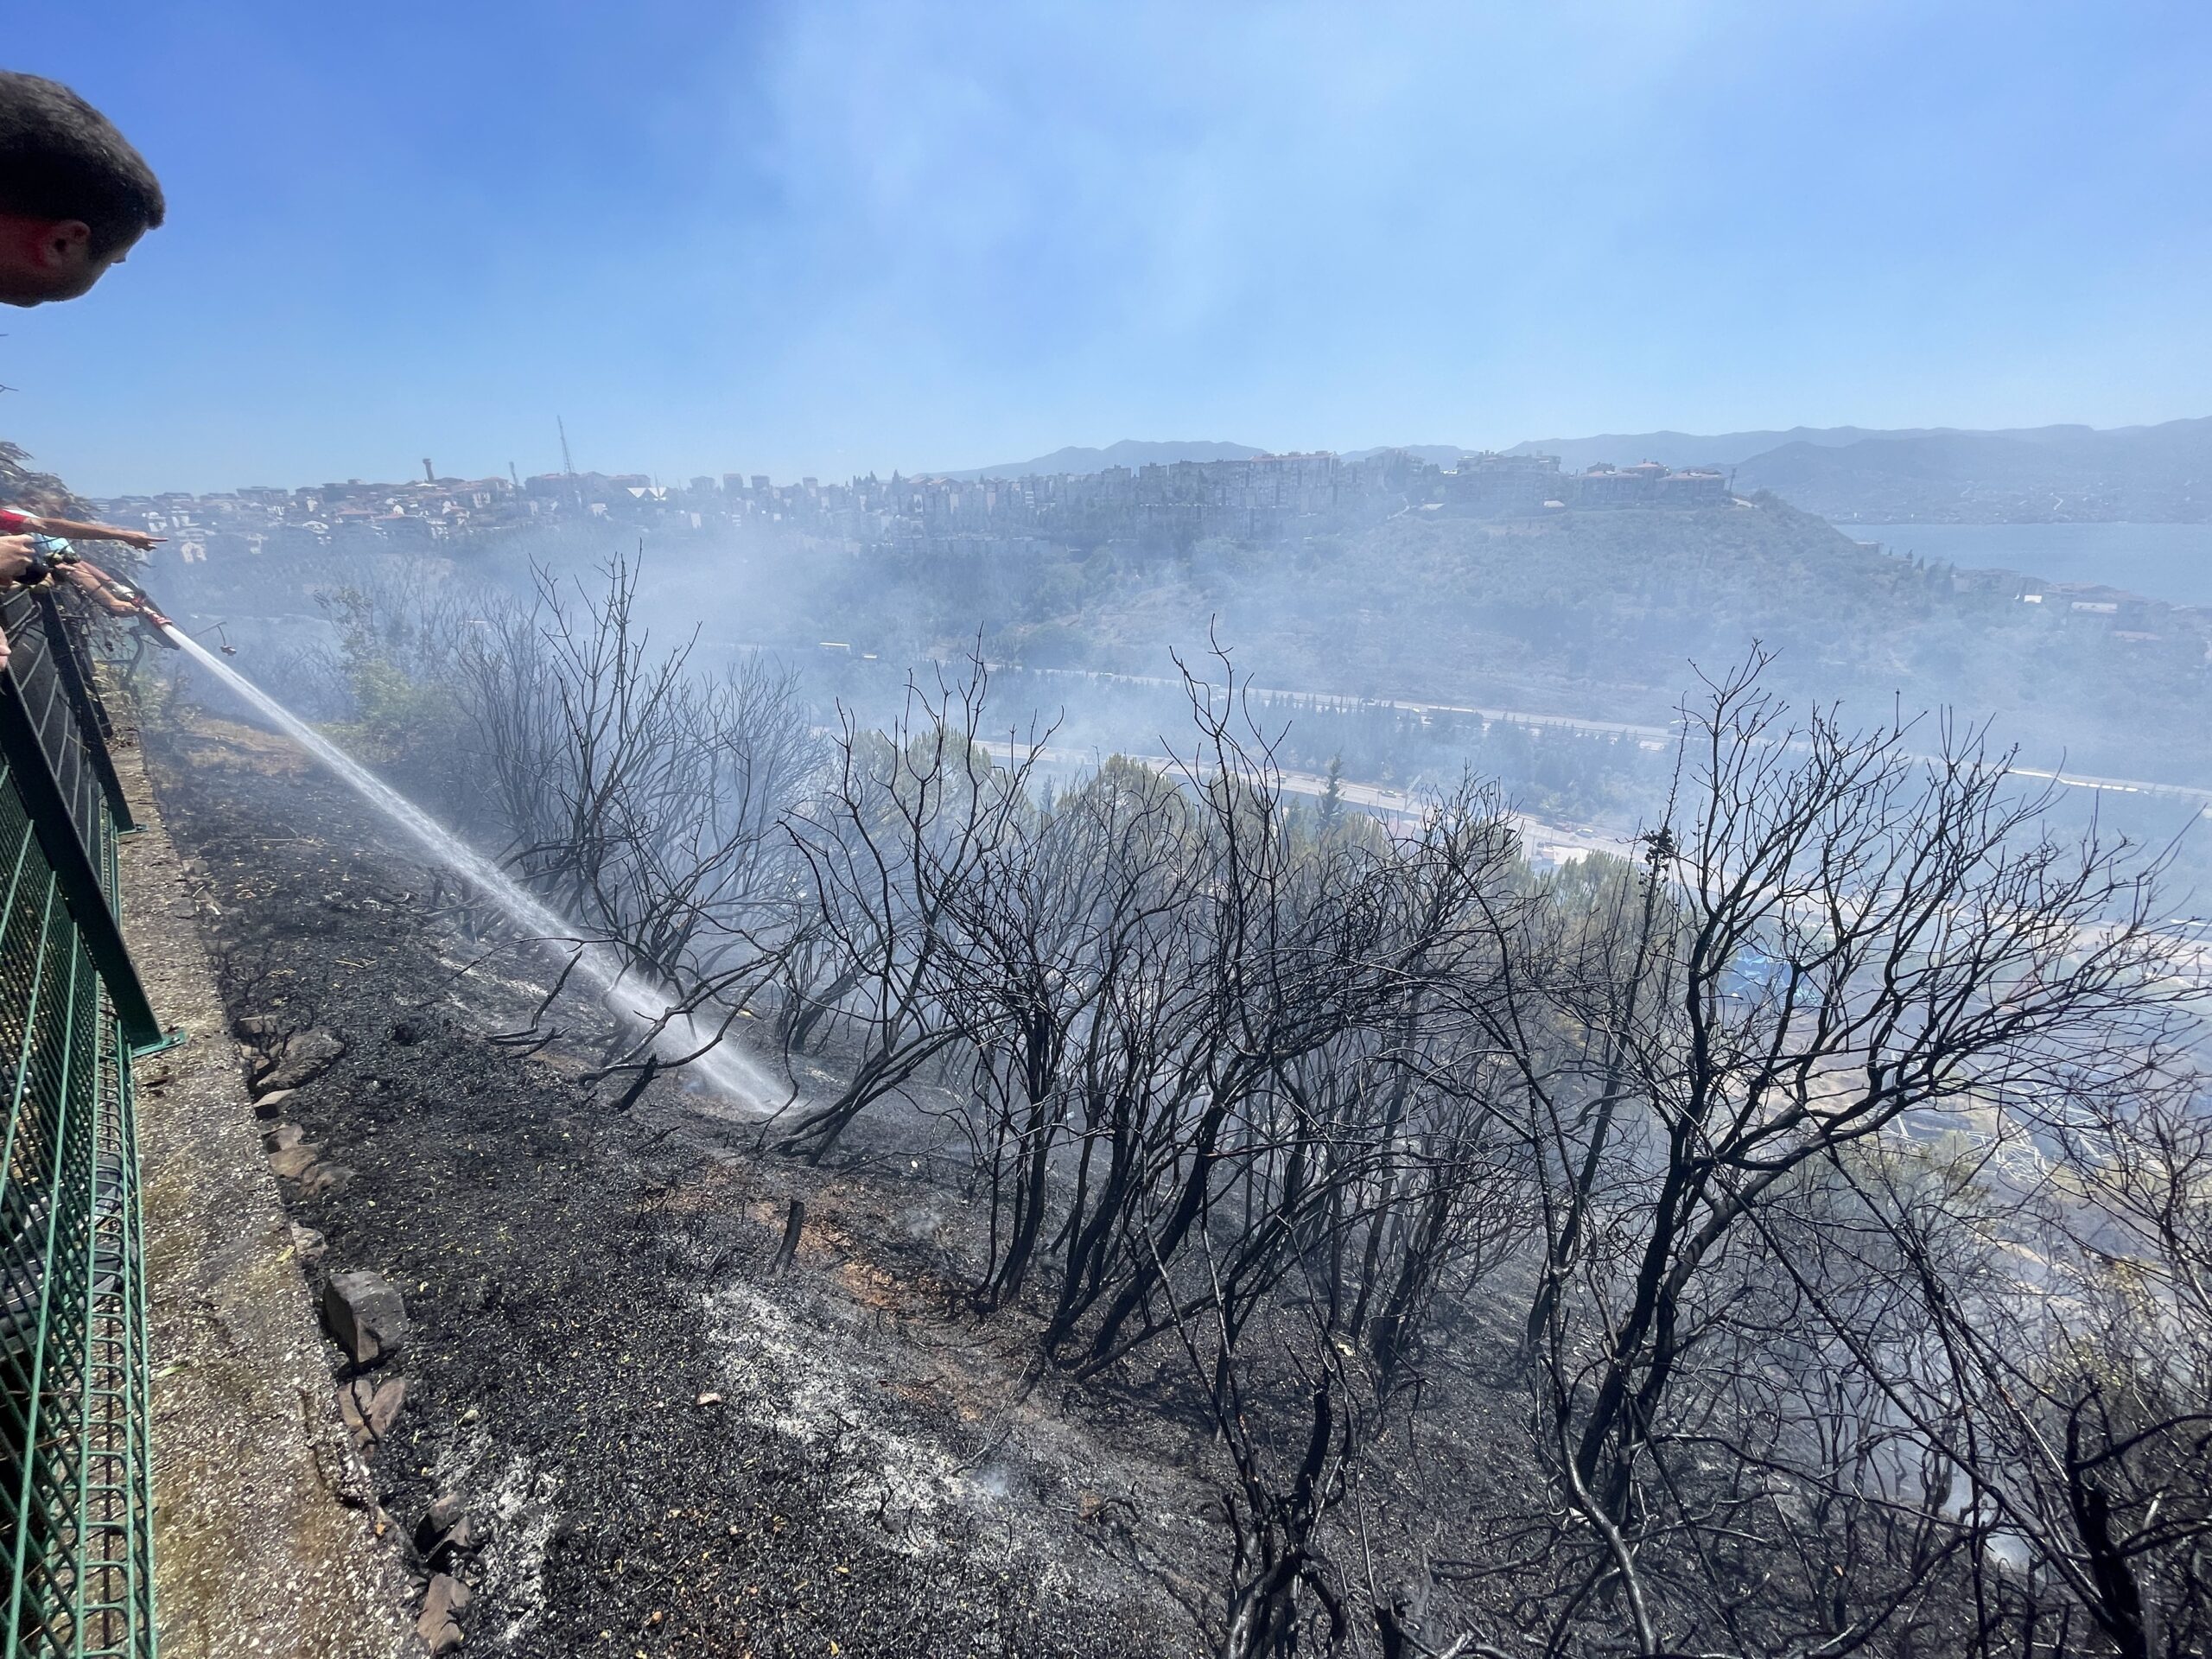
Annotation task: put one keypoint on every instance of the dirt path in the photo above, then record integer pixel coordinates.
(262, 1533)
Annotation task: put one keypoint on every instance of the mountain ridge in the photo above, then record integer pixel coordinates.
(1126, 452)
(2142, 474)
(2157, 473)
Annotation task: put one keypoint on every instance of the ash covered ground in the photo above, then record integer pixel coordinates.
(673, 1449)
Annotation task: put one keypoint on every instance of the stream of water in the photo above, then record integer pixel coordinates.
(642, 1005)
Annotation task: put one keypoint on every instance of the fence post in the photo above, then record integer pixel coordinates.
(61, 645)
(70, 846)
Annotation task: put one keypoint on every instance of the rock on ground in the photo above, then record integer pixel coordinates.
(365, 1315)
(442, 1605)
(306, 1055)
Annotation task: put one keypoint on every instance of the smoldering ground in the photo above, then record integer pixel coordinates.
(1313, 1145)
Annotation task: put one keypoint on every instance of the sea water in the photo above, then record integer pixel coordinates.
(2168, 561)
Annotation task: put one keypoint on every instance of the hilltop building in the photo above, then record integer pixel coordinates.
(1258, 499)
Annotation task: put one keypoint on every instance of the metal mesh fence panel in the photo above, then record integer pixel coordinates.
(75, 1502)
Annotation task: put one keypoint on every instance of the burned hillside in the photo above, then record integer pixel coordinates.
(652, 1431)
(1174, 1215)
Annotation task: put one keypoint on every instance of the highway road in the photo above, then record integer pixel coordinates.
(1650, 736)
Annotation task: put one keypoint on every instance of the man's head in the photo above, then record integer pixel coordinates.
(74, 195)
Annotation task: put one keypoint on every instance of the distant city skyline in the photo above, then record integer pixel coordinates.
(1595, 452)
(857, 237)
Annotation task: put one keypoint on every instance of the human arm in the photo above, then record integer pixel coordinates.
(91, 533)
(98, 587)
(116, 598)
(18, 557)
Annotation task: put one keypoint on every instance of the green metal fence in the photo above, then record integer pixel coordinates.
(75, 1466)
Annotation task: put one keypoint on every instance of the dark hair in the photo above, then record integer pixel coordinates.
(60, 158)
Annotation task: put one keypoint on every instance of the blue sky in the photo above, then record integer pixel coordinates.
(837, 236)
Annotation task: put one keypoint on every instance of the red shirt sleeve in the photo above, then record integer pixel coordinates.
(11, 521)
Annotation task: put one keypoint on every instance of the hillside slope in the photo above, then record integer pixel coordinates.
(1129, 452)
(1604, 614)
(2151, 474)
(1671, 449)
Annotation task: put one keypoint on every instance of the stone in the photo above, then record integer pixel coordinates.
(709, 1398)
(371, 1407)
(294, 1161)
(283, 1137)
(381, 1410)
(306, 1055)
(325, 1178)
(349, 1410)
(437, 1524)
(446, 1509)
(256, 1028)
(307, 1243)
(442, 1605)
(271, 1103)
(1090, 1505)
(365, 1315)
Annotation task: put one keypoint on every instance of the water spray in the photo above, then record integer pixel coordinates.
(643, 1006)
(155, 627)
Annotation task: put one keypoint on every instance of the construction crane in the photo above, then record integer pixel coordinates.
(568, 467)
